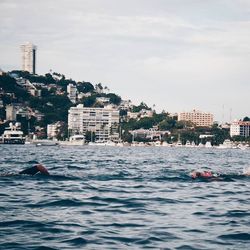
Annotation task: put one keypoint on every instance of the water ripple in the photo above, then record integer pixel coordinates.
(123, 198)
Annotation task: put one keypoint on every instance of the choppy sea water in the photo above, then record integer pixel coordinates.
(123, 198)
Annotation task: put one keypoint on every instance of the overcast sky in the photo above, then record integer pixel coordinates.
(176, 54)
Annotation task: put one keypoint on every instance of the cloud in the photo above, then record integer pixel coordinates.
(173, 53)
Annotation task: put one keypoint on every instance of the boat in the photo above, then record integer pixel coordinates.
(13, 135)
(208, 144)
(75, 140)
(102, 143)
(157, 144)
(178, 144)
(45, 142)
(188, 144)
(110, 143)
(242, 146)
(165, 144)
(226, 144)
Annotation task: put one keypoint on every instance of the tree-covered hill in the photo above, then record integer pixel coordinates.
(53, 104)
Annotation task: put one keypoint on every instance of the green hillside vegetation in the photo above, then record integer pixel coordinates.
(54, 105)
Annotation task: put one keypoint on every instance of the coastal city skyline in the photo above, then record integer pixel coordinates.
(161, 55)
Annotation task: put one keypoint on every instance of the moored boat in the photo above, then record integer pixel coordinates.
(75, 140)
(45, 142)
(13, 135)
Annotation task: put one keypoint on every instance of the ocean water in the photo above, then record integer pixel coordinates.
(123, 198)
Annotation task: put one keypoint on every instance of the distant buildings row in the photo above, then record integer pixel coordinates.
(104, 122)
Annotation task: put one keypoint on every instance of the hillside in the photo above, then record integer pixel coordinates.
(42, 100)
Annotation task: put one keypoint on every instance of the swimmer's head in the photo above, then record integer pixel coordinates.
(42, 169)
(246, 171)
(195, 174)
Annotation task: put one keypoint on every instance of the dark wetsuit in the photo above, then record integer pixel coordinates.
(34, 170)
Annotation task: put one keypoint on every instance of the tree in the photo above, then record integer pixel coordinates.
(89, 101)
(2, 114)
(8, 84)
(126, 136)
(115, 99)
(189, 136)
(145, 122)
(140, 107)
(246, 119)
(63, 131)
(49, 78)
(159, 117)
(220, 135)
(123, 112)
(90, 136)
(85, 87)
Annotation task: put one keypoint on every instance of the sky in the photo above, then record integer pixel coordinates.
(175, 55)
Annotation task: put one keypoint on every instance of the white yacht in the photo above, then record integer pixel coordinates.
(226, 144)
(75, 140)
(13, 135)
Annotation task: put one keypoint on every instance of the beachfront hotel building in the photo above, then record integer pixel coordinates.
(29, 57)
(240, 128)
(200, 119)
(102, 122)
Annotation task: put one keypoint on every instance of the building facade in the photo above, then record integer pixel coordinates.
(53, 129)
(103, 122)
(200, 119)
(240, 128)
(29, 57)
(72, 92)
(11, 112)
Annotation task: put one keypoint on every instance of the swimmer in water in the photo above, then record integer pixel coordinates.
(38, 168)
(246, 171)
(210, 176)
(203, 175)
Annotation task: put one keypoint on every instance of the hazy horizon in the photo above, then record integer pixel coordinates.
(176, 55)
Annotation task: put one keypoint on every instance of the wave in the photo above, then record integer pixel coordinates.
(166, 177)
(78, 241)
(57, 203)
(236, 237)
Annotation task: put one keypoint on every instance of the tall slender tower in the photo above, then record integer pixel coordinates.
(29, 57)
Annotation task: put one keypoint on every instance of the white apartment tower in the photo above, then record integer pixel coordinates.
(199, 118)
(29, 57)
(102, 121)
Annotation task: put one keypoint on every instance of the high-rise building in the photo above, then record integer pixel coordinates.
(197, 117)
(101, 121)
(29, 57)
